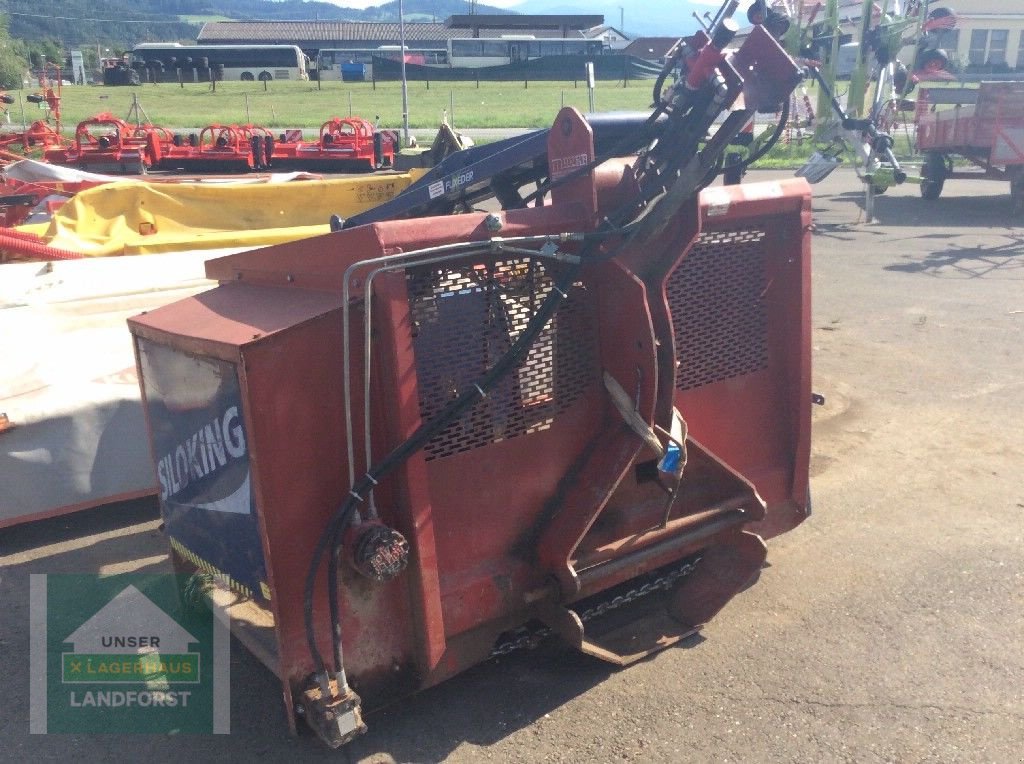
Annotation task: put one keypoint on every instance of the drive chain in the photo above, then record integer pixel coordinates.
(527, 638)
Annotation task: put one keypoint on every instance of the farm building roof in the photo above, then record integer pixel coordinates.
(526, 23)
(319, 34)
(298, 32)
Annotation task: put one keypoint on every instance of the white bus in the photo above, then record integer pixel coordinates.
(167, 61)
(494, 51)
(356, 63)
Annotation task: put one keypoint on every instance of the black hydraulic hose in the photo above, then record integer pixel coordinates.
(426, 431)
(331, 536)
(768, 145)
(666, 70)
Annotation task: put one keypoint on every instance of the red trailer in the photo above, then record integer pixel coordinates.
(984, 125)
(107, 144)
(344, 145)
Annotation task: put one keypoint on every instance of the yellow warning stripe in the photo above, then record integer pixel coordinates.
(222, 577)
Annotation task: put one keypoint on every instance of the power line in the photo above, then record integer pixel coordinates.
(110, 21)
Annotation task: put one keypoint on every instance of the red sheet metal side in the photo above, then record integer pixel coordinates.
(758, 419)
(413, 503)
(320, 262)
(292, 383)
(994, 123)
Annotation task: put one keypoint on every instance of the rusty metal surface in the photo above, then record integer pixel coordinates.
(542, 480)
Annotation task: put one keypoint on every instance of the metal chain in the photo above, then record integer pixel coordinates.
(526, 638)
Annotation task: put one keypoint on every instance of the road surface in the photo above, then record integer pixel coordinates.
(889, 627)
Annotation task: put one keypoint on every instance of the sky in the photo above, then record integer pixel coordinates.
(512, 3)
(643, 17)
(368, 3)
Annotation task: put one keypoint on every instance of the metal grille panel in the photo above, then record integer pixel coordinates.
(716, 296)
(465, 319)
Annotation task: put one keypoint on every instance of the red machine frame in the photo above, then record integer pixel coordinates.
(574, 418)
(221, 149)
(281, 308)
(107, 143)
(350, 144)
(40, 133)
(984, 126)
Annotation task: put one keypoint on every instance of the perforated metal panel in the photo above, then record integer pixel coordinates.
(716, 296)
(464, 320)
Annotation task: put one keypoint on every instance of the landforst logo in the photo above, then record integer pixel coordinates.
(130, 653)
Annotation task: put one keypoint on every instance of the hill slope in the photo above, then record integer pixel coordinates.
(122, 23)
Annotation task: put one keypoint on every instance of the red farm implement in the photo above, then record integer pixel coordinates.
(41, 133)
(428, 438)
(343, 145)
(220, 149)
(984, 125)
(108, 144)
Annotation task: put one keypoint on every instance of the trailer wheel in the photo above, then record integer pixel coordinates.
(940, 13)
(1017, 193)
(933, 175)
(931, 61)
(247, 77)
(266, 76)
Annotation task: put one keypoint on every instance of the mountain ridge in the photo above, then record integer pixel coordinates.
(119, 24)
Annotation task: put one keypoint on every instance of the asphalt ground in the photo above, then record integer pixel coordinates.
(888, 627)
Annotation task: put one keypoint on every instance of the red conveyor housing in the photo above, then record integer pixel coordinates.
(551, 504)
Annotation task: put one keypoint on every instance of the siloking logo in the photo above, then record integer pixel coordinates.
(122, 654)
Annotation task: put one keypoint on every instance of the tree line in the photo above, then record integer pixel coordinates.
(41, 31)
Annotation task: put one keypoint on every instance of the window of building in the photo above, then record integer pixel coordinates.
(1020, 53)
(979, 44)
(948, 40)
(997, 47)
(988, 47)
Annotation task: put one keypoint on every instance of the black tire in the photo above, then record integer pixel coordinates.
(265, 76)
(732, 175)
(931, 60)
(933, 175)
(248, 77)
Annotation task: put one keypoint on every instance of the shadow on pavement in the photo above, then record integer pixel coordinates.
(968, 211)
(479, 707)
(970, 262)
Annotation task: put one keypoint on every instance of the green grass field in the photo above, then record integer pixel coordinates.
(303, 104)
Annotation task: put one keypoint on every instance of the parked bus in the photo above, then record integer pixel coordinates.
(480, 51)
(357, 63)
(166, 62)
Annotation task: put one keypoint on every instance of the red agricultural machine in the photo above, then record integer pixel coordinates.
(428, 438)
(42, 133)
(108, 144)
(351, 144)
(221, 149)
